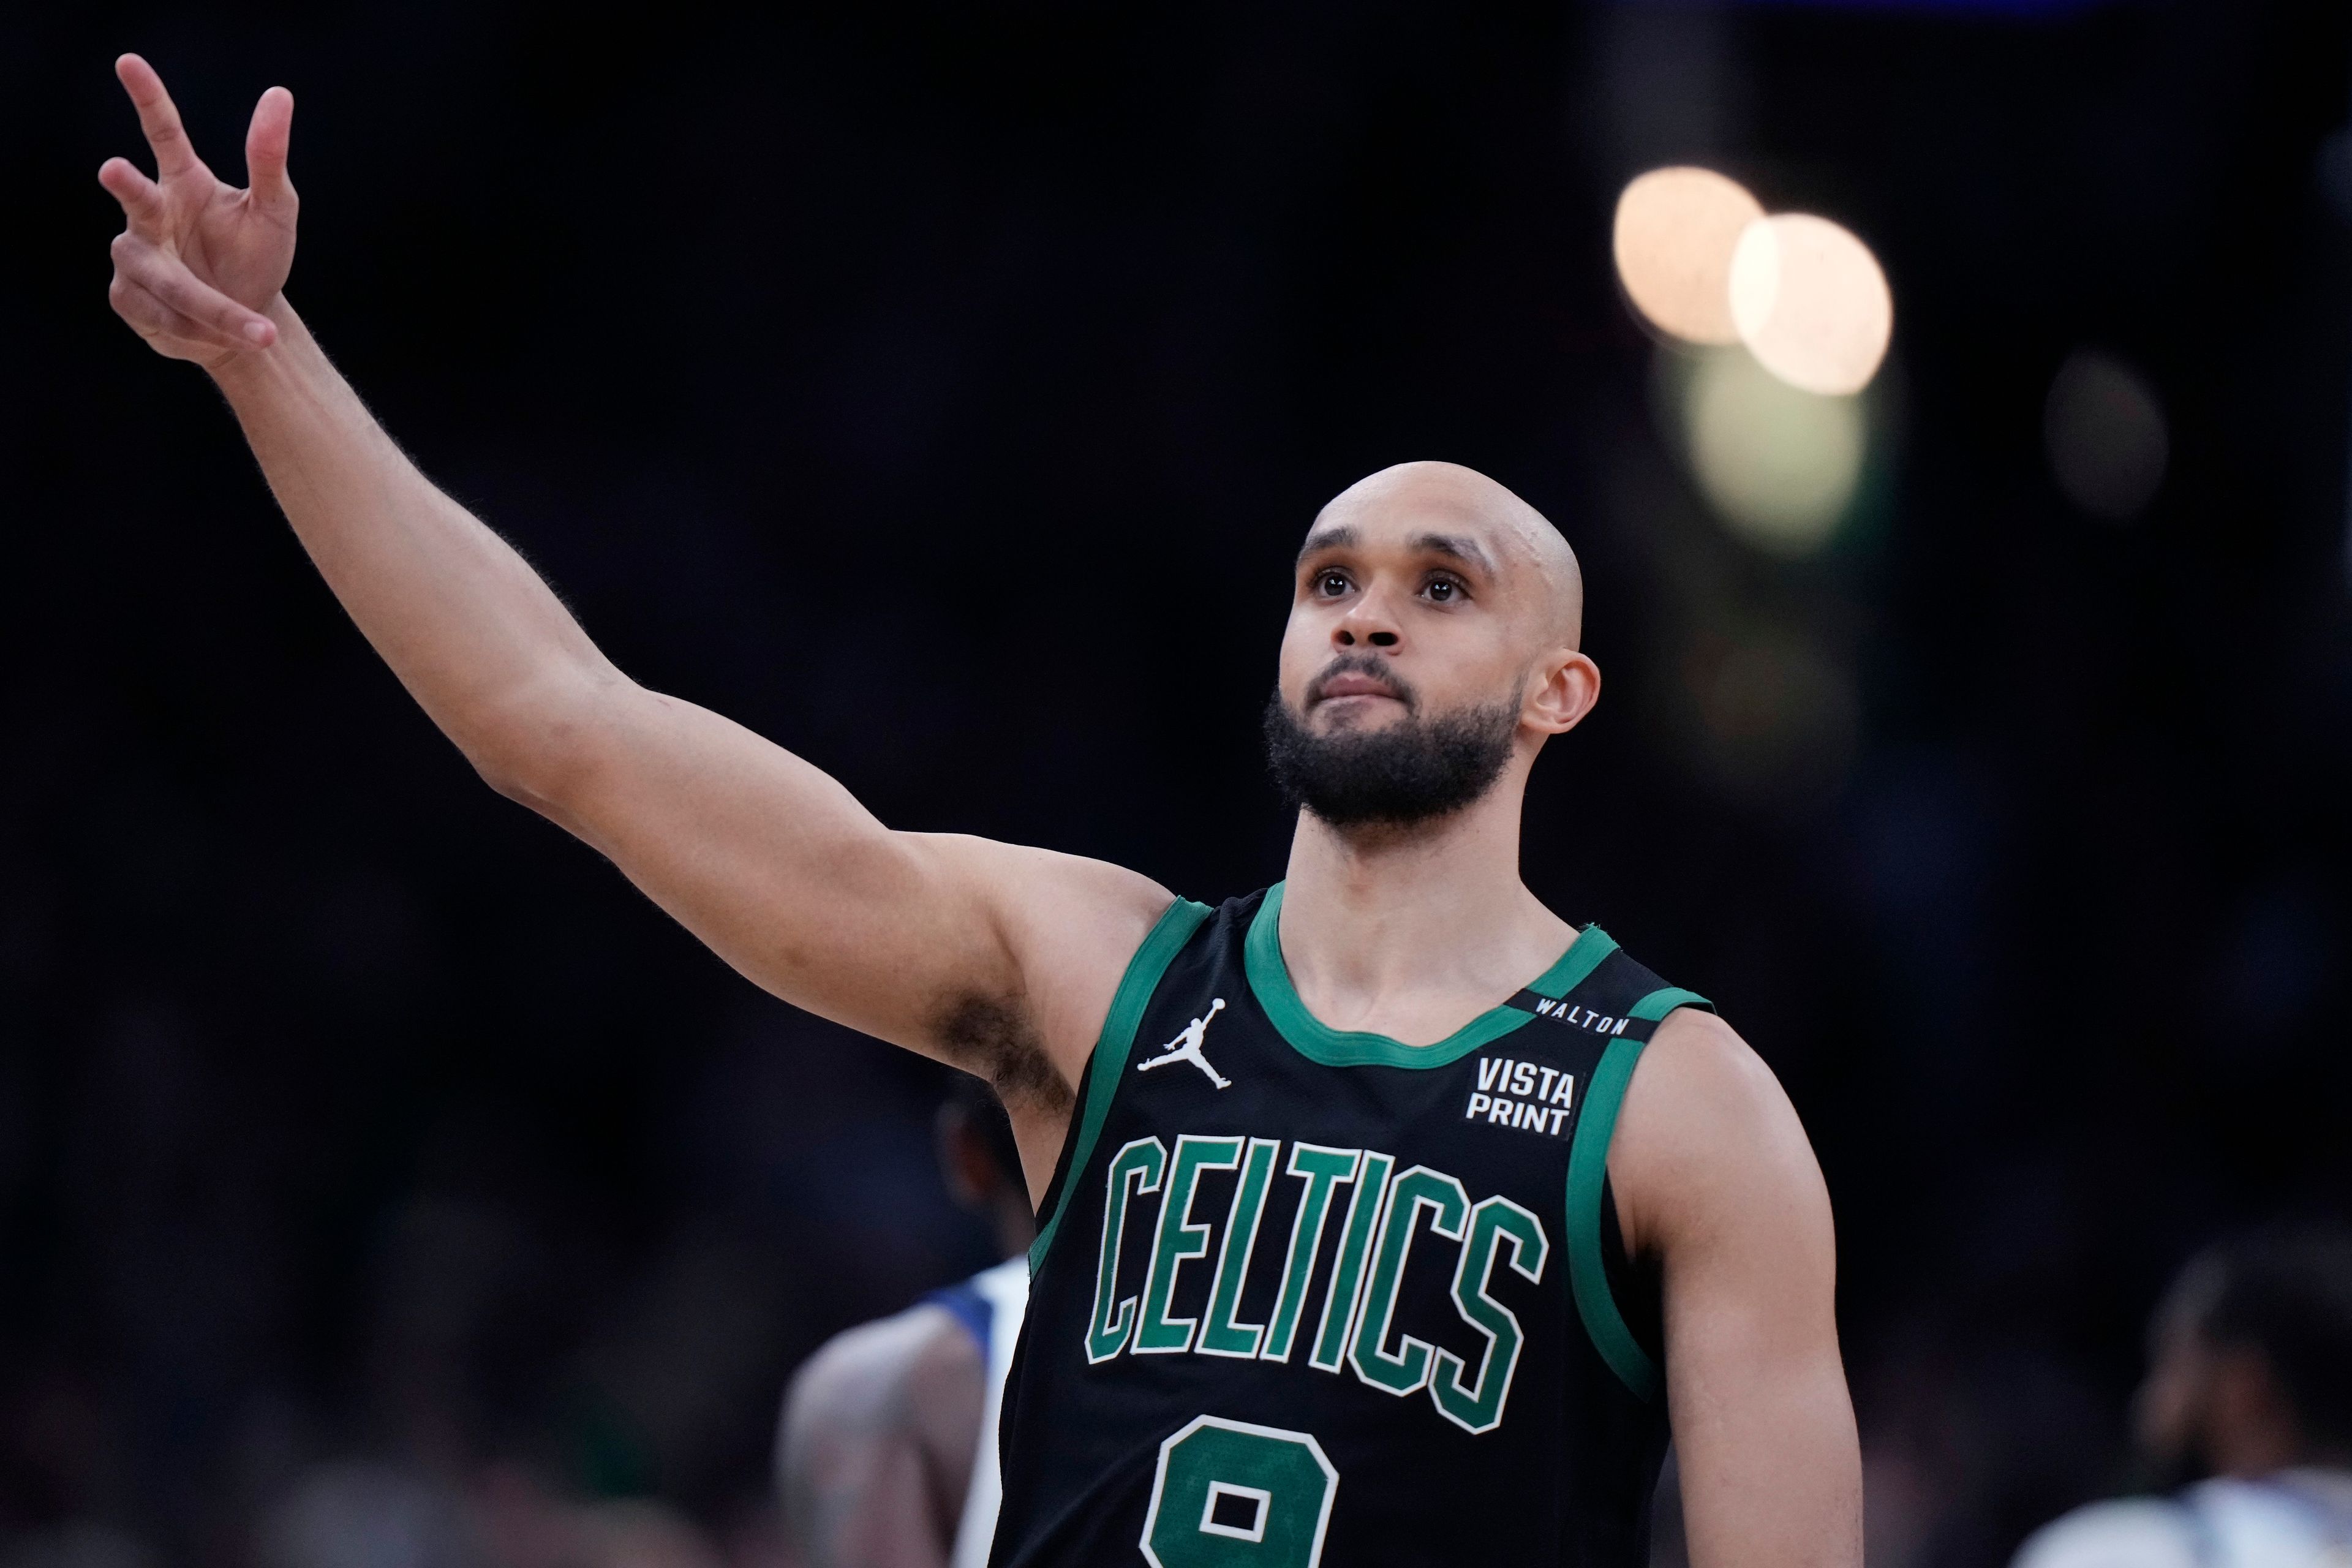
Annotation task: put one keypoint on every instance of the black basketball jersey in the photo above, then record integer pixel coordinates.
(1301, 1295)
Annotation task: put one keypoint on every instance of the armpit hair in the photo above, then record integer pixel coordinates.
(991, 1038)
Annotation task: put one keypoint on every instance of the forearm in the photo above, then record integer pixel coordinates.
(976, 953)
(472, 632)
(759, 853)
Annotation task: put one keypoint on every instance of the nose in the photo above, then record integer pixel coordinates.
(1368, 621)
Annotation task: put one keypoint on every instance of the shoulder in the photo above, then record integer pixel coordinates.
(1046, 904)
(865, 1379)
(2135, 1532)
(1708, 1136)
(880, 1432)
(1026, 870)
(2286, 1516)
(1070, 924)
(1702, 1062)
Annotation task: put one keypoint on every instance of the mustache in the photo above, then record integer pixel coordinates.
(1370, 666)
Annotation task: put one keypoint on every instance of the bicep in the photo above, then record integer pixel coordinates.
(990, 956)
(776, 866)
(1718, 1179)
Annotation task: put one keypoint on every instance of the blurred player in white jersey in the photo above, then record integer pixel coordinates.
(2247, 1407)
(887, 1453)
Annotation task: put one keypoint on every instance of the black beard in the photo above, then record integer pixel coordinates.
(1411, 772)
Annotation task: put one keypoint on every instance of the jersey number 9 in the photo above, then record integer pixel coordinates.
(1232, 1495)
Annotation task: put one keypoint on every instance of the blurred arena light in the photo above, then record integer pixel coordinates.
(2105, 434)
(1673, 237)
(1811, 302)
(1703, 263)
(1778, 465)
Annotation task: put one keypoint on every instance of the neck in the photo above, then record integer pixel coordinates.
(1412, 931)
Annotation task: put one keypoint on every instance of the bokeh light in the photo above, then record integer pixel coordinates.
(1673, 237)
(2105, 429)
(1811, 302)
(1778, 465)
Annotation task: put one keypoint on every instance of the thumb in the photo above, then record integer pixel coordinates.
(266, 144)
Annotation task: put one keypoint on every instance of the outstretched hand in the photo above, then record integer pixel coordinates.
(201, 260)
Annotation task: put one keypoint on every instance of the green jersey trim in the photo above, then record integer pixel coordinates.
(1588, 1167)
(1109, 1063)
(1269, 976)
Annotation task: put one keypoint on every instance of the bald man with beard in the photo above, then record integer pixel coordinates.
(1385, 1217)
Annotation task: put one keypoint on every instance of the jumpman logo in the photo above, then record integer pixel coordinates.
(1186, 1047)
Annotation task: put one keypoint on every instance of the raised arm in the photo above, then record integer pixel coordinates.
(1715, 1178)
(999, 959)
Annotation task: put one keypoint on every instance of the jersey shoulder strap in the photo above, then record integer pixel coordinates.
(1607, 993)
(1099, 1083)
(1597, 986)
(964, 1303)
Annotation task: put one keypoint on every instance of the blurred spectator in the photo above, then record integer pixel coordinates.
(371, 1514)
(2249, 1398)
(82, 1544)
(886, 1458)
(366, 1515)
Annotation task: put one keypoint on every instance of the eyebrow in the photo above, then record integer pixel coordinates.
(1343, 536)
(1339, 537)
(1462, 548)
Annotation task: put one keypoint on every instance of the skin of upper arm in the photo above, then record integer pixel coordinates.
(997, 958)
(1716, 1179)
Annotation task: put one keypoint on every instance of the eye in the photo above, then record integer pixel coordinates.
(1331, 584)
(1442, 590)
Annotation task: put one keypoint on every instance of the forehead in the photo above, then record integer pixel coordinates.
(1394, 501)
(1431, 524)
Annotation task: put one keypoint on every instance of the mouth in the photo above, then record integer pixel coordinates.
(1353, 688)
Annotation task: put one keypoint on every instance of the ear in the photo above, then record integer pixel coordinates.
(1562, 689)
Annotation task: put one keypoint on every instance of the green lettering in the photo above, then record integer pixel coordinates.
(1178, 1240)
(1220, 1335)
(1134, 1168)
(1348, 1268)
(1478, 1408)
(1323, 1169)
(1405, 1369)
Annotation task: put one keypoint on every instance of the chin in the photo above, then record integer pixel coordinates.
(1326, 721)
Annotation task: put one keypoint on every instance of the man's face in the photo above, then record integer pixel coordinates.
(1430, 649)
(1406, 607)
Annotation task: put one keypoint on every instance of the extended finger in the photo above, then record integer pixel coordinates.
(147, 314)
(169, 280)
(157, 116)
(265, 152)
(142, 198)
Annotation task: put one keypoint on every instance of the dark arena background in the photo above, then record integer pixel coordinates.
(942, 392)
